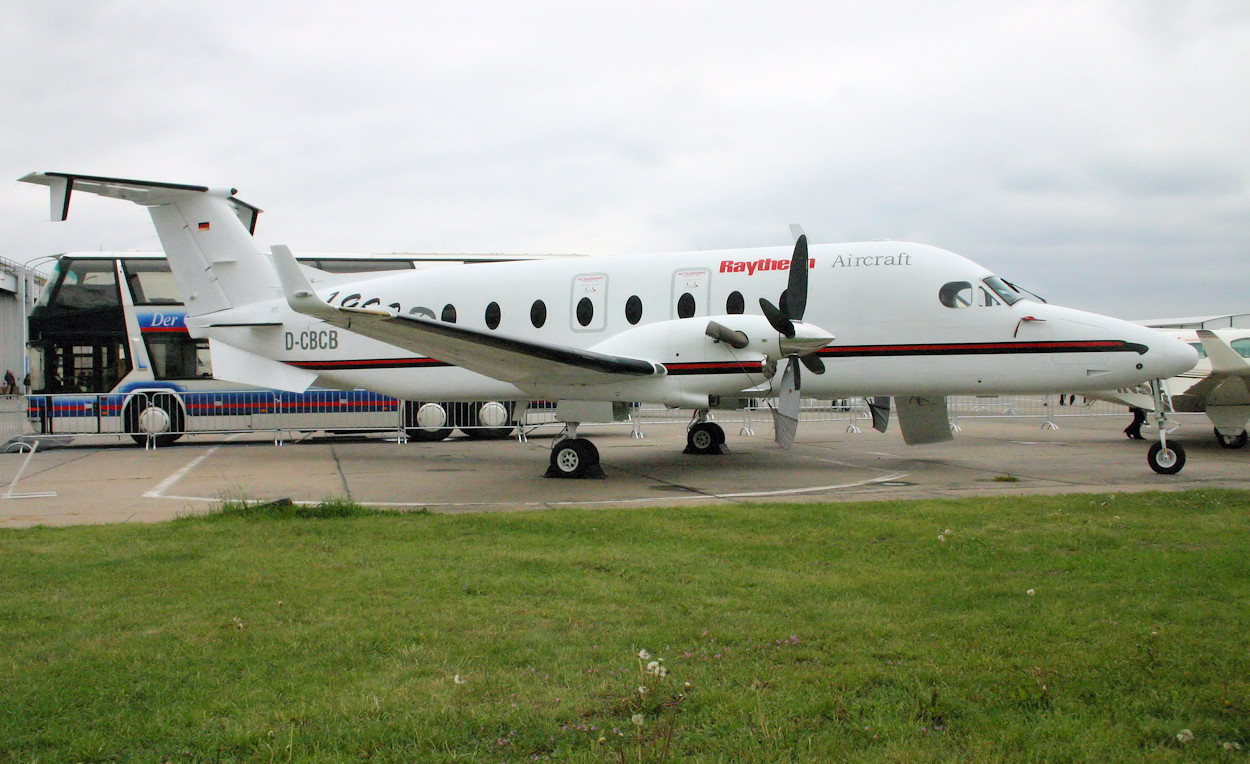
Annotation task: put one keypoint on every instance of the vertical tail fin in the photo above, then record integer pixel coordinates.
(206, 234)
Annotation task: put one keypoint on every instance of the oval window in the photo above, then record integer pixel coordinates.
(585, 311)
(449, 313)
(492, 316)
(538, 314)
(685, 305)
(633, 309)
(735, 304)
(955, 294)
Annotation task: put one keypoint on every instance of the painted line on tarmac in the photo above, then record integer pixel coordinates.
(649, 499)
(159, 491)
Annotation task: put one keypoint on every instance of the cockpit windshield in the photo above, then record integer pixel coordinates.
(1009, 292)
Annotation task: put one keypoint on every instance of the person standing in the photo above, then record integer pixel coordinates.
(1133, 431)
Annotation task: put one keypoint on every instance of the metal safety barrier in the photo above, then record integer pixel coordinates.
(156, 417)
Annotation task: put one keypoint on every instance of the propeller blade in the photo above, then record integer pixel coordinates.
(779, 320)
(813, 364)
(795, 296)
(786, 415)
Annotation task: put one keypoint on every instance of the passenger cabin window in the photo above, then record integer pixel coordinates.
(493, 314)
(449, 313)
(685, 305)
(585, 311)
(633, 309)
(735, 304)
(538, 314)
(956, 294)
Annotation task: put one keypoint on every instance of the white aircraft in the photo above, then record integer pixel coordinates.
(912, 321)
(1220, 384)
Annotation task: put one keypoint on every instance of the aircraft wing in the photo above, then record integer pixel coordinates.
(524, 363)
(1229, 381)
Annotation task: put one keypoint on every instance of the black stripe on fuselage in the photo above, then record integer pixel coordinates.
(984, 348)
(369, 363)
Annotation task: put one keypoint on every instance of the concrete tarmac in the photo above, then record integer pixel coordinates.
(105, 479)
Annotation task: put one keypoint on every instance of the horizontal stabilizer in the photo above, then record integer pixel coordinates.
(144, 192)
(234, 364)
(923, 419)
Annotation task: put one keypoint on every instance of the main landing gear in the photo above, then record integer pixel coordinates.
(1231, 441)
(704, 437)
(1165, 458)
(574, 457)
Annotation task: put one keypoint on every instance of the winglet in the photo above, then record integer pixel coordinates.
(1224, 360)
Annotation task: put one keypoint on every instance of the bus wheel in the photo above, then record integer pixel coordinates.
(490, 421)
(425, 422)
(160, 419)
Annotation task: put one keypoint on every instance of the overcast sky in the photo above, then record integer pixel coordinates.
(1097, 152)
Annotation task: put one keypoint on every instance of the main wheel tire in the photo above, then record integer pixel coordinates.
(425, 422)
(490, 421)
(704, 438)
(572, 457)
(159, 419)
(1231, 441)
(1166, 461)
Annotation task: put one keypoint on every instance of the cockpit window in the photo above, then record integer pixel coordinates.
(956, 294)
(1202, 352)
(1242, 346)
(1010, 294)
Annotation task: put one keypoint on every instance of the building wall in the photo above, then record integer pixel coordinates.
(13, 313)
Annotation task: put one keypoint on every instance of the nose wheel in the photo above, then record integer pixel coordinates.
(1165, 458)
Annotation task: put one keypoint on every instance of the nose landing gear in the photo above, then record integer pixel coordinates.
(1164, 458)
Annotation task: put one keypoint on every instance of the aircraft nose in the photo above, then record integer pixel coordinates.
(1172, 357)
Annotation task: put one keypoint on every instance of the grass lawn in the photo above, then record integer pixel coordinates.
(1074, 628)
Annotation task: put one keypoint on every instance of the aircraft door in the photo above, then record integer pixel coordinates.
(589, 303)
(690, 295)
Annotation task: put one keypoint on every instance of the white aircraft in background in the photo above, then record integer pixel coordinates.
(1219, 385)
(593, 334)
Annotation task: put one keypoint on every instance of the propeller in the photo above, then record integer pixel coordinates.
(799, 344)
